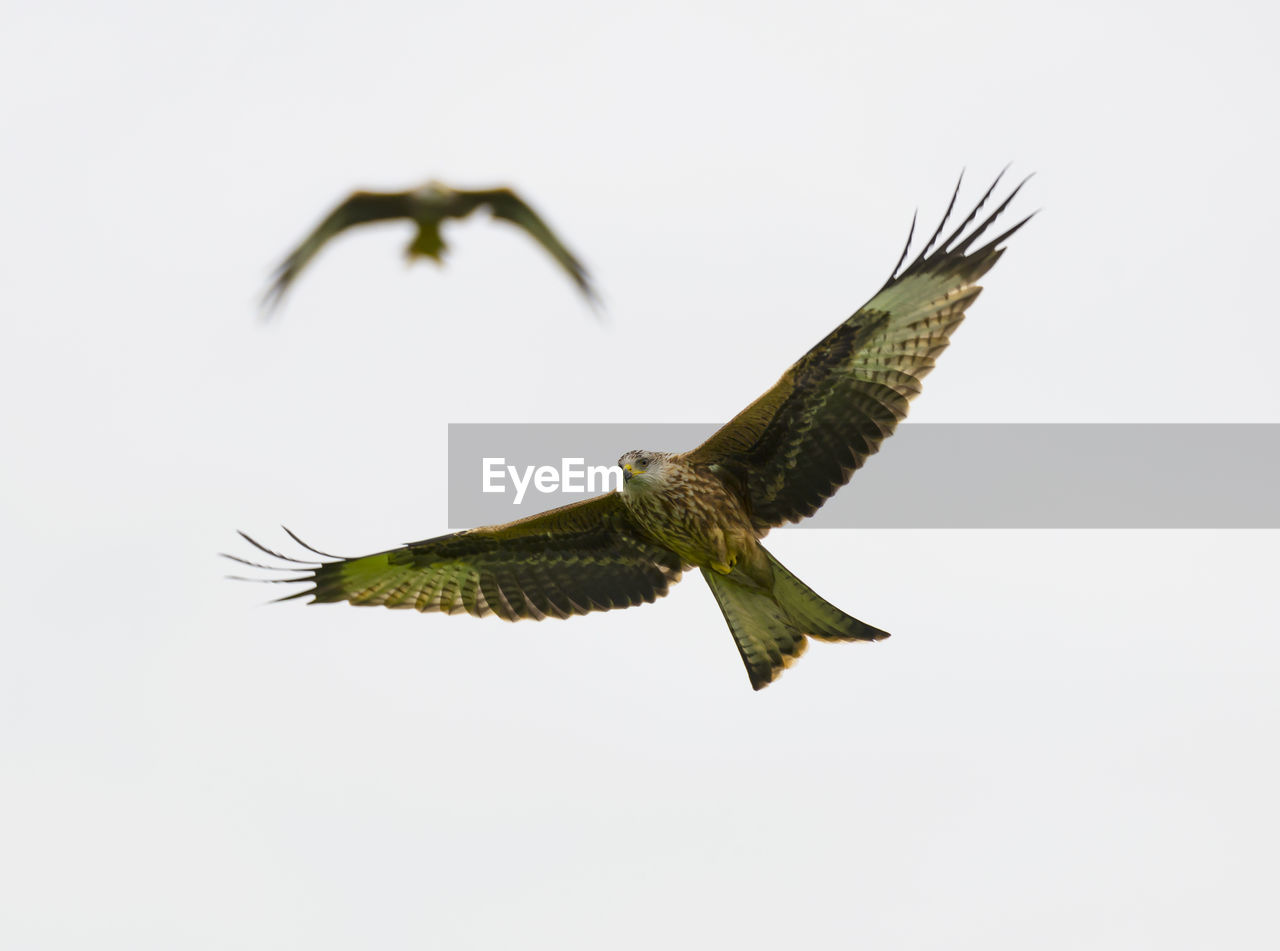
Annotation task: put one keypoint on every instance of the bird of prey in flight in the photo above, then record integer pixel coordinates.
(777, 461)
(428, 207)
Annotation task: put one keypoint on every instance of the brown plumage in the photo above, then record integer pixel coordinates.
(776, 461)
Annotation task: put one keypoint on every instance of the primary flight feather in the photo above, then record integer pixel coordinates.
(427, 207)
(777, 461)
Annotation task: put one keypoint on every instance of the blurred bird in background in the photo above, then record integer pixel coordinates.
(428, 207)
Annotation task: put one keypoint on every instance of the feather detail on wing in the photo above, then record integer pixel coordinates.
(588, 556)
(791, 449)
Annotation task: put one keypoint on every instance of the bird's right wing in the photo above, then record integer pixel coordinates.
(359, 208)
(587, 556)
(797, 444)
(506, 204)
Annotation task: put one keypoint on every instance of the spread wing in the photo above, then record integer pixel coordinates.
(507, 205)
(359, 208)
(793, 447)
(588, 556)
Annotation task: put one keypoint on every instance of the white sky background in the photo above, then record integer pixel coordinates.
(1068, 743)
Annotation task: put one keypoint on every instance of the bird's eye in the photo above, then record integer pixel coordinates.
(644, 462)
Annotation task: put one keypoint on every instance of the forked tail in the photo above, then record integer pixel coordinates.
(769, 625)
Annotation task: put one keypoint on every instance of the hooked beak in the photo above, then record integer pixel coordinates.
(627, 473)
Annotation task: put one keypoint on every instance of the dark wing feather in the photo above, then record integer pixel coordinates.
(583, 557)
(359, 208)
(507, 205)
(793, 447)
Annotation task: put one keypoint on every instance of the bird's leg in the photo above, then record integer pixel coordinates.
(722, 560)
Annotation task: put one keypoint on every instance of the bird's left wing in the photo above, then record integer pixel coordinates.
(505, 204)
(797, 444)
(587, 556)
(357, 209)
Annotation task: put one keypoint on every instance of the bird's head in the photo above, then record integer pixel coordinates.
(434, 191)
(642, 468)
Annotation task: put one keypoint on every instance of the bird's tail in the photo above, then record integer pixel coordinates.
(769, 625)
